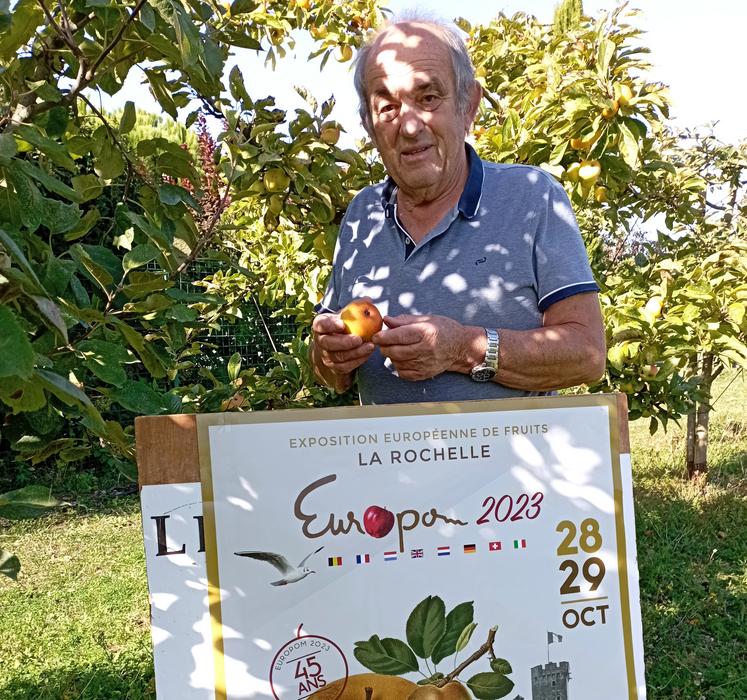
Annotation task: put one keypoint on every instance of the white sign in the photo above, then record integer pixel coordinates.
(491, 543)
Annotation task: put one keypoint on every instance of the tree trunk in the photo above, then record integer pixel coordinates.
(702, 416)
(690, 441)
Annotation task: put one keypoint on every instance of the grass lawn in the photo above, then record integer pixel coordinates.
(75, 625)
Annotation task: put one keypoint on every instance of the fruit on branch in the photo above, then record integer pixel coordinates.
(383, 688)
(276, 180)
(453, 690)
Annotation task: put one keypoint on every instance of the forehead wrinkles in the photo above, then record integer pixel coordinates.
(404, 61)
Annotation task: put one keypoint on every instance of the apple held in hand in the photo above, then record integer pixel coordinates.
(378, 521)
(362, 318)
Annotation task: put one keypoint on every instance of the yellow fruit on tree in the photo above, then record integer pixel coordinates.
(276, 180)
(609, 112)
(601, 194)
(624, 94)
(330, 133)
(586, 144)
(654, 306)
(303, 4)
(572, 172)
(276, 203)
(589, 171)
(318, 31)
(343, 53)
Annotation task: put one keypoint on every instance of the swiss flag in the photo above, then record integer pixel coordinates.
(495, 547)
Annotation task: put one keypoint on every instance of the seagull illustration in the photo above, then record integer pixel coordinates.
(291, 574)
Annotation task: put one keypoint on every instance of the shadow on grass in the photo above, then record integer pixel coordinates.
(692, 549)
(123, 679)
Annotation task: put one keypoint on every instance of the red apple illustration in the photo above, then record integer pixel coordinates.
(378, 521)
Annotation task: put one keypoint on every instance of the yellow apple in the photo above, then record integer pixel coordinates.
(572, 172)
(276, 180)
(362, 318)
(589, 171)
(343, 53)
(601, 194)
(654, 306)
(624, 94)
(609, 112)
(318, 31)
(330, 133)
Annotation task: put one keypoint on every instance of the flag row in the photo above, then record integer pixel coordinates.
(419, 553)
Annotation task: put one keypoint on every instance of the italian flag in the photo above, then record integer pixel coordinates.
(520, 544)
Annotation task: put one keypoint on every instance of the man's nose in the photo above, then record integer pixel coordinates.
(411, 120)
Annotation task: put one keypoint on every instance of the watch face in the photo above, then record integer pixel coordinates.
(482, 374)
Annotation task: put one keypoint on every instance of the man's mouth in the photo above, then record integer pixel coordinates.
(415, 151)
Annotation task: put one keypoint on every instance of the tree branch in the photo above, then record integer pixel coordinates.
(114, 41)
(486, 648)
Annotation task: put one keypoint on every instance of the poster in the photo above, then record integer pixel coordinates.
(489, 543)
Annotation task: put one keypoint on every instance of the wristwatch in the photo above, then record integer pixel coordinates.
(486, 370)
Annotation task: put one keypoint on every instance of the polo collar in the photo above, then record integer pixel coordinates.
(470, 198)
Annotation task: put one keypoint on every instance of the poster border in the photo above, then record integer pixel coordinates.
(206, 421)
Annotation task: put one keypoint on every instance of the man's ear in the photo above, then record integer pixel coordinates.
(474, 103)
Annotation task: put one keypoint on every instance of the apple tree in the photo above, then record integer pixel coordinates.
(99, 217)
(662, 213)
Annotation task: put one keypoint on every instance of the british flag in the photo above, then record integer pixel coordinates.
(416, 554)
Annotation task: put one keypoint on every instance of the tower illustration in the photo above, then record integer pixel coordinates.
(550, 682)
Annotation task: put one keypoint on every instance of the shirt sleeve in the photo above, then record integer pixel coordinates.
(330, 301)
(561, 264)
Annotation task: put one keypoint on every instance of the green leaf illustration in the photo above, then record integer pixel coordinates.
(489, 686)
(501, 666)
(389, 656)
(456, 622)
(465, 636)
(426, 625)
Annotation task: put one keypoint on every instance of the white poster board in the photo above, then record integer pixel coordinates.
(401, 529)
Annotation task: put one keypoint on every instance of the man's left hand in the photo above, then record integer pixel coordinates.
(421, 347)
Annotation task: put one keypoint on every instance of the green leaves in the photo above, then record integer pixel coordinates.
(432, 633)
(28, 502)
(426, 625)
(16, 353)
(140, 398)
(388, 656)
(105, 360)
(128, 119)
(488, 686)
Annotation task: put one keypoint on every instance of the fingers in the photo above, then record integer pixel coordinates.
(339, 351)
(344, 361)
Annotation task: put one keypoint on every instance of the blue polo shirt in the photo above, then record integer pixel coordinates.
(509, 250)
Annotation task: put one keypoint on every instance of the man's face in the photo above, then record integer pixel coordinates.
(416, 125)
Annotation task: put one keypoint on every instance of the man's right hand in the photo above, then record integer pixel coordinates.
(336, 354)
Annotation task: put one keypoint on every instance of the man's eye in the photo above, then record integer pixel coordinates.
(387, 111)
(431, 100)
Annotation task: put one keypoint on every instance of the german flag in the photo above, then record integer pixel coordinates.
(470, 548)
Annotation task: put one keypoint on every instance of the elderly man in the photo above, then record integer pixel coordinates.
(478, 268)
